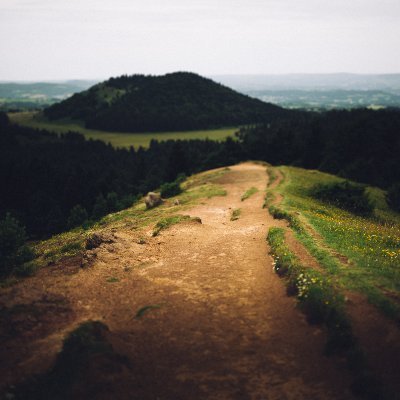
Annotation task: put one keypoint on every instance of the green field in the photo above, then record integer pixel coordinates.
(117, 139)
(371, 244)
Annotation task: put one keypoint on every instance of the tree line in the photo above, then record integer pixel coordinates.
(51, 183)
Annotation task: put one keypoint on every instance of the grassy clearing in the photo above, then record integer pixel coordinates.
(236, 214)
(137, 217)
(371, 244)
(248, 193)
(117, 139)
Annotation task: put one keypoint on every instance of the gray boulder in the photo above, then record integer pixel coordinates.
(153, 200)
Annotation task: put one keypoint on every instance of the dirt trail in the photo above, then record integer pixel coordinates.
(223, 327)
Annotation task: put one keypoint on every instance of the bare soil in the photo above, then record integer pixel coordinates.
(220, 325)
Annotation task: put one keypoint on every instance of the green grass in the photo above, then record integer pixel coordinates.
(269, 198)
(112, 279)
(248, 193)
(236, 214)
(272, 175)
(117, 139)
(372, 245)
(167, 222)
(322, 303)
(317, 296)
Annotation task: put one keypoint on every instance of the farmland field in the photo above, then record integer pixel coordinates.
(117, 139)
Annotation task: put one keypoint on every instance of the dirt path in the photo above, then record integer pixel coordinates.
(222, 328)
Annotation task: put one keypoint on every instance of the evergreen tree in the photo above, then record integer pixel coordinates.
(100, 207)
(13, 251)
(77, 216)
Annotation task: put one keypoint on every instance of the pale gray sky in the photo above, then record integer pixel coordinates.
(59, 39)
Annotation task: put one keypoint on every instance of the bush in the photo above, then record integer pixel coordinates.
(77, 216)
(170, 189)
(13, 250)
(113, 203)
(346, 195)
(100, 207)
(393, 197)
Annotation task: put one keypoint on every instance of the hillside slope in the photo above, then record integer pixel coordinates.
(176, 101)
(194, 312)
(188, 305)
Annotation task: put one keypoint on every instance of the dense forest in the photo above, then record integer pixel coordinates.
(361, 144)
(172, 102)
(52, 183)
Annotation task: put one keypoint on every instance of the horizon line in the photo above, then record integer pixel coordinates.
(57, 80)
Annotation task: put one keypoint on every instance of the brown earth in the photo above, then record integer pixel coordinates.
(221, 325)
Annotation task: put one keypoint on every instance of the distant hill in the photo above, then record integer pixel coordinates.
(176, 101)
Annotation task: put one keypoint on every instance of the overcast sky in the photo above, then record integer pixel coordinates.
(59, 39)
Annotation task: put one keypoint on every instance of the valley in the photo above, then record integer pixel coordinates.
(118, 139)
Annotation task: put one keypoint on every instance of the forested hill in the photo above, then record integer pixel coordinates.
(177, 101)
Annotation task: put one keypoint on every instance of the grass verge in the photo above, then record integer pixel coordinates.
(167, 222)
(248, 193)
(317, 296)
(323, 304)
(362, 253)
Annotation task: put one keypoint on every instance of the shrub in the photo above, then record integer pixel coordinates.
(100, 207)
(77, 216)
(170, 189)
(13, 250)
(393, 197)
(346, 195)
(181, 178)
(113, 203)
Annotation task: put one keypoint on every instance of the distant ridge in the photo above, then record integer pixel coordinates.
(176, 101)
(311, 81)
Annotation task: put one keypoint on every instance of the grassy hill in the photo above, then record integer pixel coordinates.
(359, 251)
(172, 102)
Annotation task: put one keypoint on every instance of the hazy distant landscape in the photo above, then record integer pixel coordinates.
(320, 91)
(301, 91)
(37, 95)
